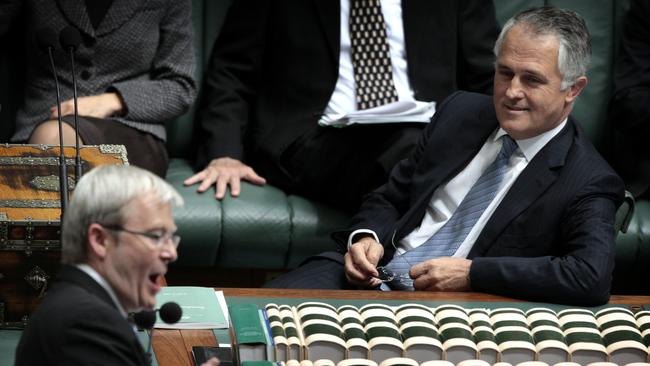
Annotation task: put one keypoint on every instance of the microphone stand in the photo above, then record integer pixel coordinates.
(63, 170)
(149, 354)
(78, 170)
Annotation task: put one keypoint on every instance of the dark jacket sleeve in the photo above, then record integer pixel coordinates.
(580, 272)
(170, 87)
(383, 208)
(230, 81)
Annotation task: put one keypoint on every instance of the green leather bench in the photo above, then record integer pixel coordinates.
(267, 229)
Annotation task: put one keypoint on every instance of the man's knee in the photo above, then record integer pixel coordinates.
(47, 133)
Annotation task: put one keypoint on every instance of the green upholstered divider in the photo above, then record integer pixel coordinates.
(199, 221)
(8, 343)
(312, 225)
(256, 229)
(631, 274)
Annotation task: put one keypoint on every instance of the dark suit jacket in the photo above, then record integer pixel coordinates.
(78, 324)
(551, 238)
(275, 65)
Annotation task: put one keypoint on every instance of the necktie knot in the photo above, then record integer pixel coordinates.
(508, 146)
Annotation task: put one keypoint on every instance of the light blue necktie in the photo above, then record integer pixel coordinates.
(445, 242)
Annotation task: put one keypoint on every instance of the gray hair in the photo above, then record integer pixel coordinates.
(571, 31)
(101, 196)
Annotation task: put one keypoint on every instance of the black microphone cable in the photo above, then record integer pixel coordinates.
(170, 313)
(70, 40)
(46, 40)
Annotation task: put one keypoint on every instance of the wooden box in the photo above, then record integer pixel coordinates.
(30, 220)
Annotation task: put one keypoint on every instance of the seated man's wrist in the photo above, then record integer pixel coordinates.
(358, 235)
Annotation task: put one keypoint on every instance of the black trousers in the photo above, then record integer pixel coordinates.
(338, 166)
(324, 271)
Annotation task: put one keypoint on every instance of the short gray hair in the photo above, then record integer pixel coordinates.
(100, 197)
(574, 53)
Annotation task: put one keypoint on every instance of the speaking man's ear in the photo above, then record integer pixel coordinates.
(98, 238)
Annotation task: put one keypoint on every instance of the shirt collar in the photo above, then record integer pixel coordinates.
(531, 146)
(90, 271)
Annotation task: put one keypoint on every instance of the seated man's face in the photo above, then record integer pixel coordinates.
(135, 264)
(527, 80)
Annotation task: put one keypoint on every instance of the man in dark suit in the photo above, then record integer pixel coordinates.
(117, 244)
(281, 67)
(504, 196)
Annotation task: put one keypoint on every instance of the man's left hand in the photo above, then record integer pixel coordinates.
(441, 274)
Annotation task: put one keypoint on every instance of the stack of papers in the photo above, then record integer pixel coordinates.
(400, 111)
(203, 307)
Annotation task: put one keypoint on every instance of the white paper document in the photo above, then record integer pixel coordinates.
(400, 111)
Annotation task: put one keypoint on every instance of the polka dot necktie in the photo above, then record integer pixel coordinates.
(373, 72)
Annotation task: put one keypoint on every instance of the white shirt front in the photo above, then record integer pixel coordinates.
(343, 99)
(446, 198)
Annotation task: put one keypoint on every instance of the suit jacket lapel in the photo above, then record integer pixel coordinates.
(72, 274)
(330, 18)
(119, 13)
(443, 162)
(75, 12)
(540, 173)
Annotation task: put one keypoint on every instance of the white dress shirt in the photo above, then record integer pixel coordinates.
(446, 198)
(343, 99)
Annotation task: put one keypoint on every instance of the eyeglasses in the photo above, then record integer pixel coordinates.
(159, 240)
(386, 275)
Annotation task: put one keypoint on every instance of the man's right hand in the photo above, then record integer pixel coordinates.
(224, 172)
(361, 262)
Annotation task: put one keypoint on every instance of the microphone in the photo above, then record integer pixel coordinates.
(46, 40)
(169, 312)
(145, 319)
(70, 40)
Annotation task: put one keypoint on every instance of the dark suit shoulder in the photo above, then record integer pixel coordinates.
(73, 326)
(467, 101)
(584, 153)
(465, 115)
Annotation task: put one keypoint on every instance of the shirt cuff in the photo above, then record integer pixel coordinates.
(360, 231)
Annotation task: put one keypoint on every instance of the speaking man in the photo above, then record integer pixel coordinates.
(118, 238)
